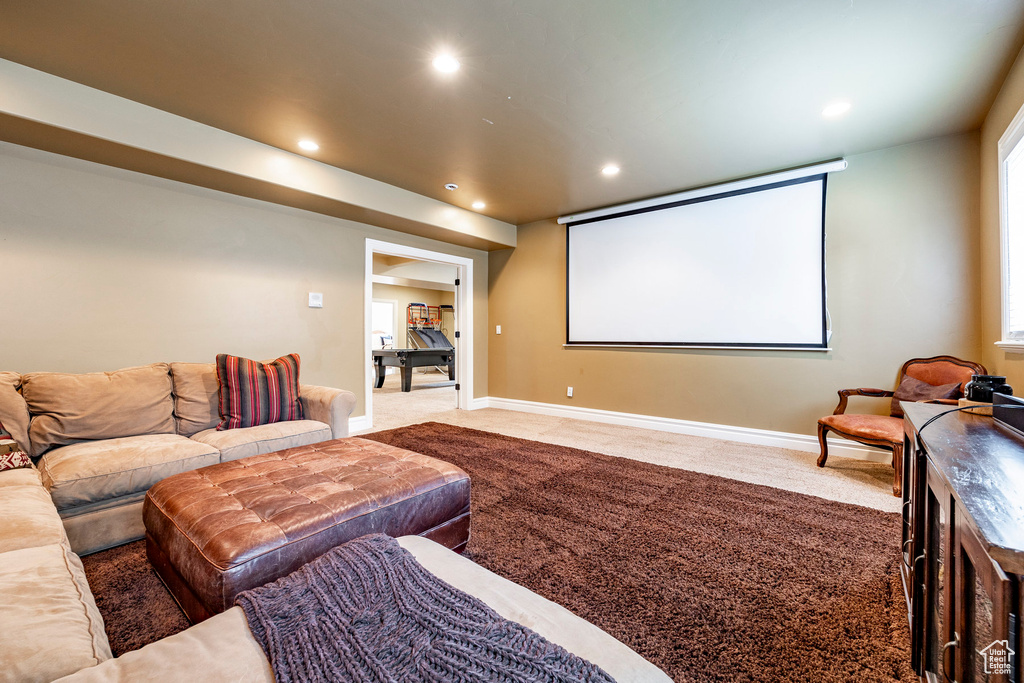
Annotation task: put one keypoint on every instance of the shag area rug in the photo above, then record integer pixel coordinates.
(709, 578)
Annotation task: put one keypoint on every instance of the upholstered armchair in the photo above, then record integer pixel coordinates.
(940, 378)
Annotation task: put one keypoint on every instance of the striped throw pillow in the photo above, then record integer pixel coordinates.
(254, 393)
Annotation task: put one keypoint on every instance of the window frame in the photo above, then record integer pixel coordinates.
(1011, 140)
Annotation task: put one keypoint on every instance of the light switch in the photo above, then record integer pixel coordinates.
(316, 300)
(497, 329)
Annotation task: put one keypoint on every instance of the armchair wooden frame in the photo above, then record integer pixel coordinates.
(895, 447)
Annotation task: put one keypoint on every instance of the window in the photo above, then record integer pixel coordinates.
(1011, 218)
(383, 317)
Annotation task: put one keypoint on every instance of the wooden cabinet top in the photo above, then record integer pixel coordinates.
(982, 464)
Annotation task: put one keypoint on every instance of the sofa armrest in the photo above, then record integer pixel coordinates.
(329, 405)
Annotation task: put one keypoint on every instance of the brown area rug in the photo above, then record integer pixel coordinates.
(709, 578)
(137, 609)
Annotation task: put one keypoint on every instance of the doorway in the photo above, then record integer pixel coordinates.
(398, 272)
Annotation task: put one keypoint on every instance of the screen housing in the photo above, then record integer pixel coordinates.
(815, 314)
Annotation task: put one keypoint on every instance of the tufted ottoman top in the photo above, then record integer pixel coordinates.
(236, 525)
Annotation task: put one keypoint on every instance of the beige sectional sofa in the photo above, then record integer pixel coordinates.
(100, 440)
(50, 627)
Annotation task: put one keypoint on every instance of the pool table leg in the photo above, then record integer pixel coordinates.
(407, 378)
(381, 371)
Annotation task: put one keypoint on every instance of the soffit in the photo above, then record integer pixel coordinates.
(679, 94)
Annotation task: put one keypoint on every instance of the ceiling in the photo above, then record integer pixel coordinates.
(677, 93)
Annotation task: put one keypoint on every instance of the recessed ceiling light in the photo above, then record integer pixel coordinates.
(610, 169)
(451, 186)
(835, 109)
(479, 205)
(446, 64)
(309, 145)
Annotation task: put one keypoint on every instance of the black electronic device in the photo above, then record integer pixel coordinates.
(1008, 410)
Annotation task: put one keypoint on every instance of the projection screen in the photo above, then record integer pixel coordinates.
(738, 268)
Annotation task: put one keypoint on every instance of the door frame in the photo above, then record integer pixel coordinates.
(463, 317)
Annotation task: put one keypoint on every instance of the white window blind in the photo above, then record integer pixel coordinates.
(1014, 243)
(1011, 219)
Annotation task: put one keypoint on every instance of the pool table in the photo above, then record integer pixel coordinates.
(407, 359)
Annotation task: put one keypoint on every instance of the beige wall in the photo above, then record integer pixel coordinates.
(1007, 103)
(105, 268)
(902, 228)
(407, 295)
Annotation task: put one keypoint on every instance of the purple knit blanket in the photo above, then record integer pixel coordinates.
(368, 611)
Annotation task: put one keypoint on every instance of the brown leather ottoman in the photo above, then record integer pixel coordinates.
(214, 532)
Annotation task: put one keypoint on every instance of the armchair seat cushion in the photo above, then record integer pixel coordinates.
(866, 427)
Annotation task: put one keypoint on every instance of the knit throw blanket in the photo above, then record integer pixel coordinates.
(368, 611)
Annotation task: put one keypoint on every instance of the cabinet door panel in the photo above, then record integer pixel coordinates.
(913, 542)
(982, 614)
(937, 570)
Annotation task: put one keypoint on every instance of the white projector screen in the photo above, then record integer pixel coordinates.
(739, 269)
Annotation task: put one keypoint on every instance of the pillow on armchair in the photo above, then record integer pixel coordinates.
(912, 389)
(254, 393)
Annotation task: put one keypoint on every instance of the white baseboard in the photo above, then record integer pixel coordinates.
(478, 403)
(358, 423)
(760, 437)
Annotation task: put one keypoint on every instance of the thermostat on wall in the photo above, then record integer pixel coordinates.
(316, 300)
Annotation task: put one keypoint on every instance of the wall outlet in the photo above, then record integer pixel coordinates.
(316, 300)
(568, 392)
(497, 329)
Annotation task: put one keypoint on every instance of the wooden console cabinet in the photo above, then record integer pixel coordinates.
(963, 546)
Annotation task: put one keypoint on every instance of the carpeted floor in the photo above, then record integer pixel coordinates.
(136, 607)
(711, 579)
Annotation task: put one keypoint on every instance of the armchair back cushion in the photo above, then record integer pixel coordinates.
(942, 371)
(13, 409)
(69, 408)
(196, 390)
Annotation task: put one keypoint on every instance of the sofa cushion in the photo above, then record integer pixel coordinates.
(241, 443)
(28, 518)
(49, 624)
(92, 471)
(68, 408)
(254, 393)
(25, 476)
(14, 410)
(195, 387)
(222, 648)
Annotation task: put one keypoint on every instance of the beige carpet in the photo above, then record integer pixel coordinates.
(844, 479)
